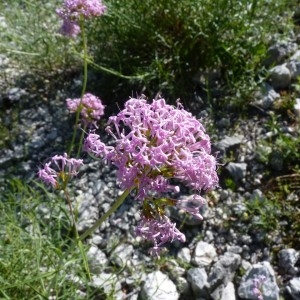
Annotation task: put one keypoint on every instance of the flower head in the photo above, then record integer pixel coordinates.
(155, 143)
(72, 10)
(159, 231)
(69, 28)
(48, 175)
(91, 108)
(59, 170)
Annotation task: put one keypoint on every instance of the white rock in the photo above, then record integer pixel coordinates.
(294, 67)
(184, 254)
(183, 286)
(295, 56)
(297, 107)
(294, 288)
(122, 255)
(3, 23)
(280, 77)
(97, 260)
(97, 240)
(229, 141)
(109, 283)
(204, 254)
(266, 96)
(158, 286)
(197, 277)
(237, 170)
(228, 292)
(287, 258)
(223, 270)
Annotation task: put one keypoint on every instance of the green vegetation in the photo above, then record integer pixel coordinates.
(171, 41)
(29, 36)
(278, 211)
(34, 241)
(161, 45)
(281, 150)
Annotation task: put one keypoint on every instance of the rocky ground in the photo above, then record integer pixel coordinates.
(244, 236)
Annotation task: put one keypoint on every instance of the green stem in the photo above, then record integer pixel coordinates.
(84, 85)
(83, 90)
(114, 207)
(116, 73)
(71, 210)
(80, 245)
(85, 60)
(81, 141)
(112, 72)
(74, 133)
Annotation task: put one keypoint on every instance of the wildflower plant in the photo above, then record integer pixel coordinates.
(155, 143)
(90, 107)
(74, 11)
(63, 169)
(60, 169)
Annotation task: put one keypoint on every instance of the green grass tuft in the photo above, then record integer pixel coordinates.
(37, 259)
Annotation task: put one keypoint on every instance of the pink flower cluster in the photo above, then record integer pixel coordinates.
(155, 143)
(258, 286)
(159, 231)
(73, 10)
(59, 169)
(91, 108)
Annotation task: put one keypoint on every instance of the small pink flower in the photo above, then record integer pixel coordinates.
(62, 168)
(48, 175)
(72, 10)
(94, 146)
(258, 286)
(91, 108)
(69, 28)
(159, 231)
